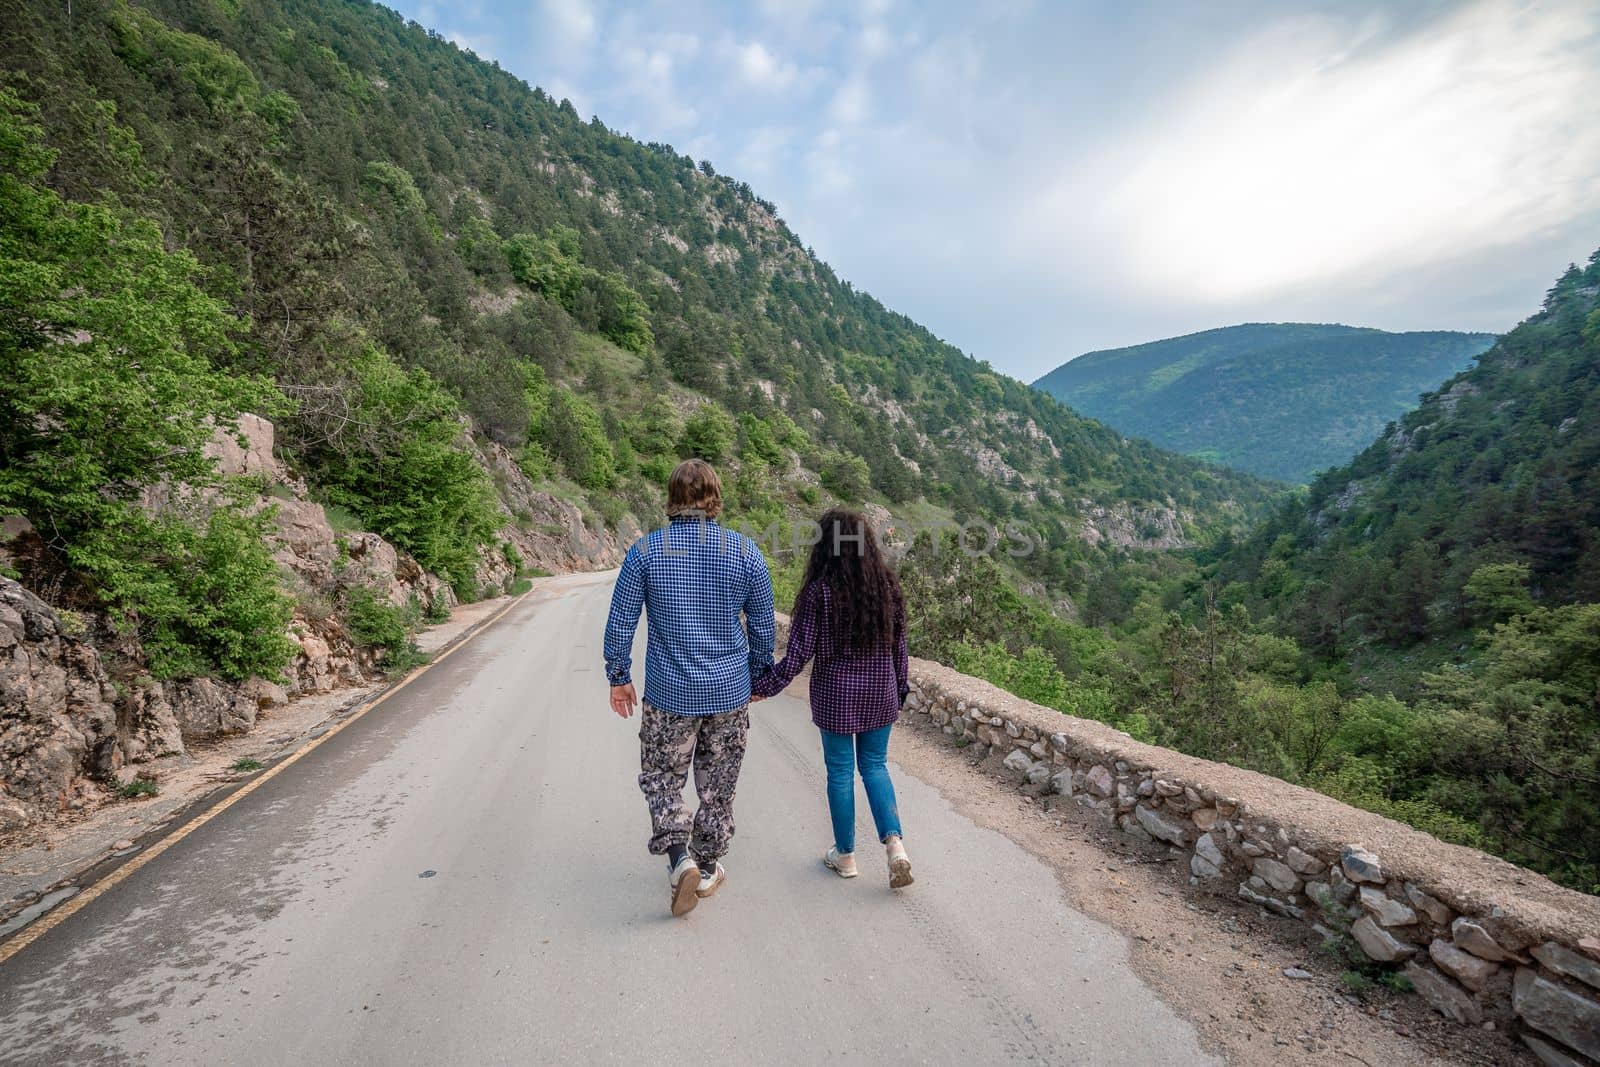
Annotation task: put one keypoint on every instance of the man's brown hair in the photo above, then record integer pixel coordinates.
(694, 489)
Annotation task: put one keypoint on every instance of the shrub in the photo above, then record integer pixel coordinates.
(708, 434)
(403, 469)
(845, 475)
(377, 624)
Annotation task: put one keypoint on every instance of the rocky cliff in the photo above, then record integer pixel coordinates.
(77, 714)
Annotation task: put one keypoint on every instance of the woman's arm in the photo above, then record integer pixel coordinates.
(902, 658)
(802, 646)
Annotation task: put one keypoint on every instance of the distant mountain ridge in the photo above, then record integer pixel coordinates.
(1282, 400)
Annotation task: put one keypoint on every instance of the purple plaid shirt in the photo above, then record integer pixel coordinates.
(851, 692)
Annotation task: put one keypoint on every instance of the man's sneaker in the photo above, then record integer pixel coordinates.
(899, 864)
(711, 881)
(841, 863)
(685, 881)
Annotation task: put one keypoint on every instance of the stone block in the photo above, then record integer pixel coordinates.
(1443, 995)
(1160, 826)
(1466, 968)
(1378, 943)
(1303, 863)
(1098, 781)
(1384, 908)
(1436, 910)
(1563, 960)
(1550, 1055)
(1471, 936)
(1275, 874)
(1557, 1012)
(1017, 762)
(1361, 866)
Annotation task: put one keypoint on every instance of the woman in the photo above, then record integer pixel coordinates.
(850, 618)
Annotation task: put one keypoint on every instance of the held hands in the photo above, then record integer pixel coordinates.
(623, 700)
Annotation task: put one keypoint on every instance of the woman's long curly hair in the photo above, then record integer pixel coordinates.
(866, 594)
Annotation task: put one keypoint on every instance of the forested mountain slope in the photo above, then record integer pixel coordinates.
(357, 183)
(1282, 400)
(1456, 563)
(447, 322)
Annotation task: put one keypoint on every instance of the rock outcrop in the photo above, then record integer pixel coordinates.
(58, 716)
(67, 727)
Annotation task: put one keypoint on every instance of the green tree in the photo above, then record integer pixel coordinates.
(572, 432)
(708, 434)
(1499, 591)
(108, 388)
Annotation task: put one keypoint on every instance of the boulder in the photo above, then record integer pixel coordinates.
(248, 450)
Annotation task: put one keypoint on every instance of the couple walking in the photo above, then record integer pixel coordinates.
(709, 656)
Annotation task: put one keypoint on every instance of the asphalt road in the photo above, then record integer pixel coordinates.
(460, 877)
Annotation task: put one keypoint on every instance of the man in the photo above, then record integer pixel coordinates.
(696, 579)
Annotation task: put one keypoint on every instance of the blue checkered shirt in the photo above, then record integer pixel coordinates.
(694, 579)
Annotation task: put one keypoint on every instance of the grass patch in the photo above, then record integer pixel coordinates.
(245, 764)
(518, 586)
(139, 787)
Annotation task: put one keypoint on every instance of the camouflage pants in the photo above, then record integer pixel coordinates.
(714, 745)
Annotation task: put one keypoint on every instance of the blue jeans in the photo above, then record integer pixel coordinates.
(869, 751)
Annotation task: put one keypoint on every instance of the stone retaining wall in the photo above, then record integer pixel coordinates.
(1483, 941)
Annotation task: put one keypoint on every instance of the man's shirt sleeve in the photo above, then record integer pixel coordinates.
(627, 601)
(759, 623)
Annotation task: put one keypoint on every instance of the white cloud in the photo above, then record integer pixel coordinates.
(1324, 150)
(851, 102)
(763, 152)
(573, 21)
(874, 42)
(763, 69)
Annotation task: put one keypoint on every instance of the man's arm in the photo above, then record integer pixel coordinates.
(760, 627)
(627, 601)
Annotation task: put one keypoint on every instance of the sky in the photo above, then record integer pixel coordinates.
(1034, 180)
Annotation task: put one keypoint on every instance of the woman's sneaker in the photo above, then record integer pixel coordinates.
(841, 863)
(685, 883)
(711, 881)
(899, 863)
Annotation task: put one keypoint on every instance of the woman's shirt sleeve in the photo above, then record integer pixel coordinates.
(802, 646)
(902, 657)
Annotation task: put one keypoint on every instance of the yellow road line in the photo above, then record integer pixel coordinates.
(67, 909)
